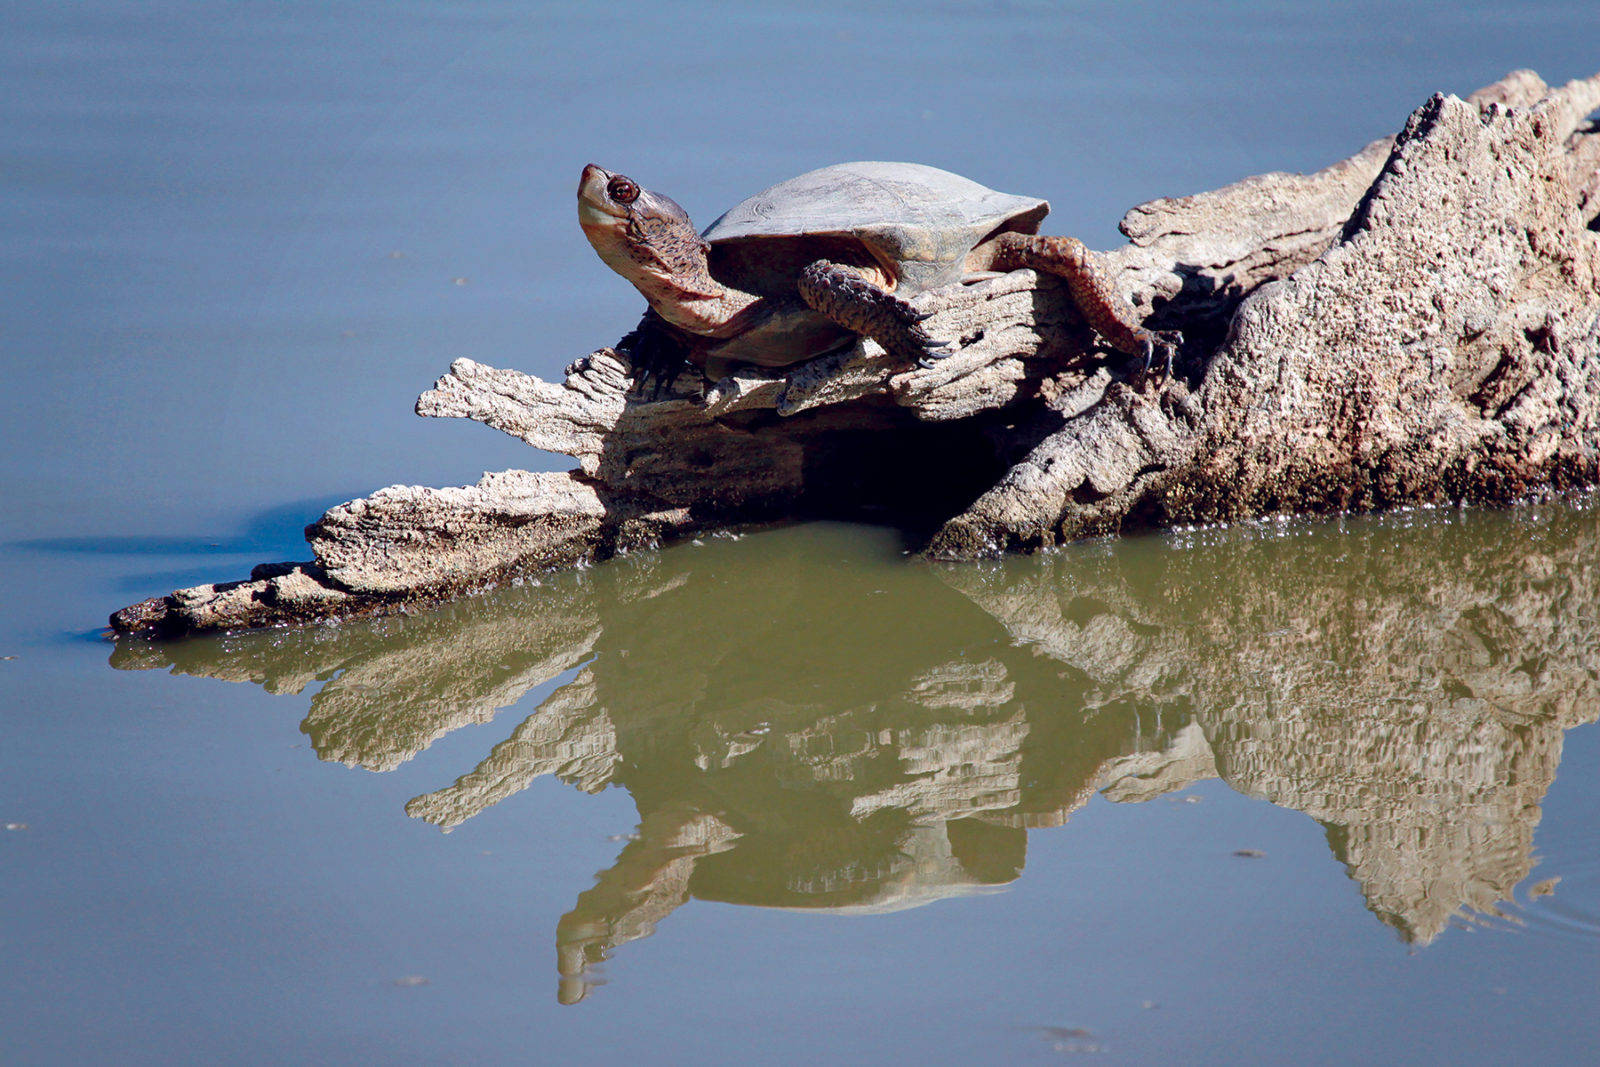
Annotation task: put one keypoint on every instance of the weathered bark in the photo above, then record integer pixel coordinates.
(1441, 348)
(1416, 324)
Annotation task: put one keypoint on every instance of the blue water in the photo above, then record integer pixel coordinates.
(236, 240)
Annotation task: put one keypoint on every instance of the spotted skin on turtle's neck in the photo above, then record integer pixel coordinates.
(658, 242)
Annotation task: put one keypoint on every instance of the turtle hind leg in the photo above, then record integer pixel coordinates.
(1112, 317)
(846, 296)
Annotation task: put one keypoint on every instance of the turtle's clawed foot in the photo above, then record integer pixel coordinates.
(933, 353)
(657, 356)
(844, 295)
(910, 341)
(912, 344)
(1162, 345)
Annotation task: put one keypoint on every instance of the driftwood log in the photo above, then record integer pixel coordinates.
(1417, 324)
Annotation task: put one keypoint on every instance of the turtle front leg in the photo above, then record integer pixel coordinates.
(845, 295)
(1112, 317)
(657, 352)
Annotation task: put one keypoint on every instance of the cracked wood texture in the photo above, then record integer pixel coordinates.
(1417, 324)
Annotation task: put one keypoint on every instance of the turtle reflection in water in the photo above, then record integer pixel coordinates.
(816, 261)
(1407, 688)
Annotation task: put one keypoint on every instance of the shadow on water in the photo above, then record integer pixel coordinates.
(277, 532)
(264, 531)
(807, 720)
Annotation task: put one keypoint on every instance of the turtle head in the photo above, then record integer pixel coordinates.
(646, 238)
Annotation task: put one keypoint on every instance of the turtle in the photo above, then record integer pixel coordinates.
(815, 262)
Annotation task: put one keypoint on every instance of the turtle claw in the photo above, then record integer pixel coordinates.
(933, 352)
(1167, 342)
(656, 355)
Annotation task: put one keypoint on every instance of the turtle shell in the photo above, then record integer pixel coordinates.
(918, 222)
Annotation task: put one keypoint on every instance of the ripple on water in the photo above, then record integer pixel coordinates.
(1559, 901)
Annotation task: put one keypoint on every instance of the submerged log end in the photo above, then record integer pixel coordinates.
(409, 545)
(151, 616)
(277, 594)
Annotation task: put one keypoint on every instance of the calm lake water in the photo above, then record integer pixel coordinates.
(1301, 791)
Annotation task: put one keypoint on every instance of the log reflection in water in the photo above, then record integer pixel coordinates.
(1409, 690)
(803, 723)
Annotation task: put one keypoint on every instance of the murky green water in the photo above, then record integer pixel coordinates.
(1301, 791)
(805, 720)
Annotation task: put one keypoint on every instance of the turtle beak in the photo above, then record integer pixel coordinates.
(604, 223)
(592, 196)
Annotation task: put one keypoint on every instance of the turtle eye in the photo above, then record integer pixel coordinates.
(622, 190)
